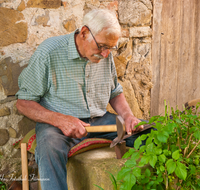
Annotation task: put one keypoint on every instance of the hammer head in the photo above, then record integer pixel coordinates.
(121, 130)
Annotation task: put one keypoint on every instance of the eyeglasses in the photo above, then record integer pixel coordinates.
(101, 48)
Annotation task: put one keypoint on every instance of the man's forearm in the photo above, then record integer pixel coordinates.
(35, 111)
(120, 105)
(69, 125)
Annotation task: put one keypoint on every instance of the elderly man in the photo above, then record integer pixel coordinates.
(67, 85)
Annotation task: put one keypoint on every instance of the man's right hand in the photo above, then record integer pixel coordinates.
(71, 126)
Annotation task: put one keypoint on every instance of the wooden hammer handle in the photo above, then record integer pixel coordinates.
(101, 128)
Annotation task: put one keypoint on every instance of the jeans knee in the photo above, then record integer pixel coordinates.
(51, 144)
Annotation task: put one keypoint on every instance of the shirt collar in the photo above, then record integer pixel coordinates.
(72, 50)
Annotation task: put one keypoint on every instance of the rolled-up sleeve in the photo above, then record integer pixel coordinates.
(117, 88)
(33, 81)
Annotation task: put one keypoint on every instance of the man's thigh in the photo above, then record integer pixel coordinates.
(51, 139)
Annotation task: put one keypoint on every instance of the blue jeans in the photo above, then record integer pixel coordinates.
(53, 147)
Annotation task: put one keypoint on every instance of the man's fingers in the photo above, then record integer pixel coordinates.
(85, 124)
(139, 128)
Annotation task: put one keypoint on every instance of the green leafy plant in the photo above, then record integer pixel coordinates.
(2, 185)
(170, 158)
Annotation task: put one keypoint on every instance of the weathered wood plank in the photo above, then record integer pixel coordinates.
(156, 37)
(175, 53)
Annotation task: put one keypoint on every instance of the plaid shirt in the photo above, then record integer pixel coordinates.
(60, 80)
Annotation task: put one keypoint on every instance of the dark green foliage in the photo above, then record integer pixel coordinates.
(172, 153)
(2, 186)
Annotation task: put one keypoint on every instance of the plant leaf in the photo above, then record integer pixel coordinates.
(137, 143)
(150, 148)
(176, 155)
(162, 158)
(162, 168)
(130, 180)
(135, 156)
(197, 134)
(141, 123)
(137, 171)
(152, 119)
(181, 171)
(129, 153)
(130, 163)
(144, 160)
(114, 182)
(143, 137)
(98, 187)
(158, 151)
(162, 136)
(147, 172)
(123, 172)
(153, 161)
(171, 166)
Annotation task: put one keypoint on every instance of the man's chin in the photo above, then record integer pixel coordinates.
(95, 60)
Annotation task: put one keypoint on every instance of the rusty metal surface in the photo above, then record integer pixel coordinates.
(120, 149)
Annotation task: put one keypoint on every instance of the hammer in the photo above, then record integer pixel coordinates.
(118, 142)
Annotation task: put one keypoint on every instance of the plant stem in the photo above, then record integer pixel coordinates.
(193, 149)
(178, 139)
(187, 145)
(167, 184)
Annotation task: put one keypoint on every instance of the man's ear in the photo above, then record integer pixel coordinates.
(84, 33)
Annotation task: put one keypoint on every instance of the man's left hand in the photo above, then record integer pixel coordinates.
(130, 123)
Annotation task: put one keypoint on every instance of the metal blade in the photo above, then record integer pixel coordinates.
(118, 140)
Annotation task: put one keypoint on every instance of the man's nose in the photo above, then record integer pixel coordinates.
(105, 53)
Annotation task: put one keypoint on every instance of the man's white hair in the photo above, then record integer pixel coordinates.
(99, 19)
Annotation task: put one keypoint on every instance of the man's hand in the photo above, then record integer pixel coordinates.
(121, 106)
(130, 123)
(71, 126)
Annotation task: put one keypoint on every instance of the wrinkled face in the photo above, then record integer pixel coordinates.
(91, 50)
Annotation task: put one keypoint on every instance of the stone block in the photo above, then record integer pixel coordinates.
(44, 4)
(9, 73)
(4, 136)
(140, 31)
(21, 6)
(11, 29)
(92, 167)
(113, 5)
(8, 99)
(15, 110)
(43, 20)
(25, 125)
(131, 99)
(134, 13)
(4, 111)
(125, 32)
(122, 59)
(12, 132)
(69, 25)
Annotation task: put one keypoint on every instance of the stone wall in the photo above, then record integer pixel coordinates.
(24, 24)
